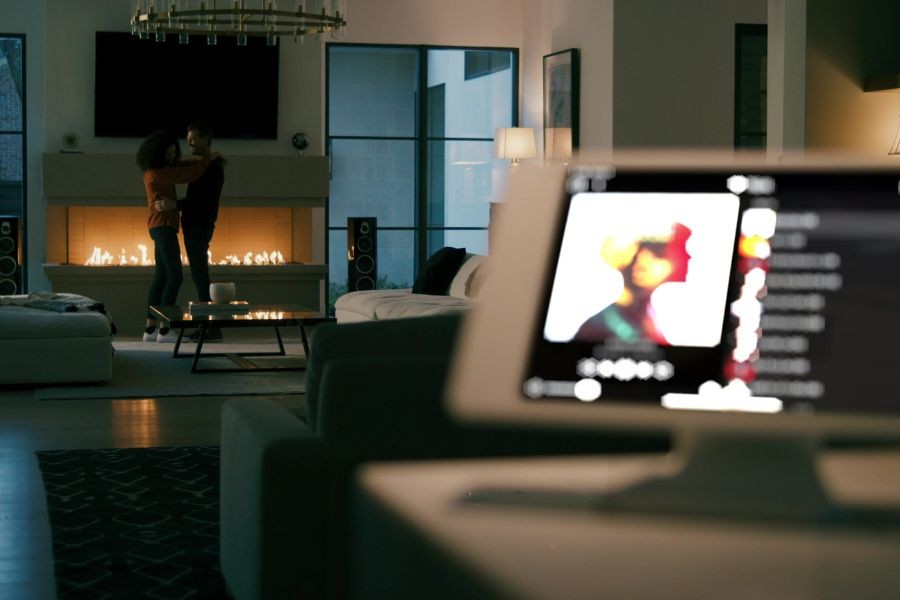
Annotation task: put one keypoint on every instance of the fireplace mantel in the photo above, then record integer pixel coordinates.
(76, 179)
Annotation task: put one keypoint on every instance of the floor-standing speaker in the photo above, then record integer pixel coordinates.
(362, 252)
(10, 270)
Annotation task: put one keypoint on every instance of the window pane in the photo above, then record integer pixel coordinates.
(474, 241)
(396, 259)
(10, 84)
(463, 178)
(473, 106)
(11, 157)
(373, 178)
(372, 91)
(11, 174)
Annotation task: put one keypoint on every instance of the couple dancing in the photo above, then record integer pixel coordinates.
(159, 158)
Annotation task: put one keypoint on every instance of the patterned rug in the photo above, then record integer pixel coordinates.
(135, 522)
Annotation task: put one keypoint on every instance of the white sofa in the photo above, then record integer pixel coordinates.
(43, 346)
(378, 305)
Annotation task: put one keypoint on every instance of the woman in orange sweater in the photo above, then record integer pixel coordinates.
(158, 157)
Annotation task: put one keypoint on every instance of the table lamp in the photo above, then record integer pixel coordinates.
(514, 143)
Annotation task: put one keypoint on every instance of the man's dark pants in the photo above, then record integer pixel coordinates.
(196, 244)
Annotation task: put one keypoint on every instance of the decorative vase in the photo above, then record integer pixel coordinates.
(222, 292)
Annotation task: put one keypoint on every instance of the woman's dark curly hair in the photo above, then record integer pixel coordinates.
(152, 153)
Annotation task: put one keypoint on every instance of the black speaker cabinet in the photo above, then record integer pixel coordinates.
(362, 253)
(10, 269)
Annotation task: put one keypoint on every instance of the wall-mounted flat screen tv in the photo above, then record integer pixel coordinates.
(144, 85)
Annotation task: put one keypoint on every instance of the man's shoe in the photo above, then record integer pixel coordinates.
(166, 336)
(212, 335)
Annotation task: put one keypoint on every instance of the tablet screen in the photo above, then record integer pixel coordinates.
(779, 283)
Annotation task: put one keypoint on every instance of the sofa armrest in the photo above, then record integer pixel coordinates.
(275, 485)
(432, 337)
(470, 272)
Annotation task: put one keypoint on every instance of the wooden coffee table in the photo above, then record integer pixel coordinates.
(268, 315)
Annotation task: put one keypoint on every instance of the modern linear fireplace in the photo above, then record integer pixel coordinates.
(116, 235)
(269, 238)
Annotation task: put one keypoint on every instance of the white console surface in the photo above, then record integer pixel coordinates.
(557, 550)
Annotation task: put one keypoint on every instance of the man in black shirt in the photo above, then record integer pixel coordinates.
(199, 210)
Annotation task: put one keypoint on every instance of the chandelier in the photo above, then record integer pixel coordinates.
(240, 18)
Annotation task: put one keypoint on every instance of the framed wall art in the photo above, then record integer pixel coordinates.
(561, 94)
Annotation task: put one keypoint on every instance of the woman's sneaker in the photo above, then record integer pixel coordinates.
(166, 336)
(150, 334)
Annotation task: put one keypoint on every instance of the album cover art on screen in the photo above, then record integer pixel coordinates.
(643, 268)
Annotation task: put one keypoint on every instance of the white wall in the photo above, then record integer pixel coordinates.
(436, 22)
(553, 25)
(27, 16)
(848, 42)
(673, 84)
(654, 73)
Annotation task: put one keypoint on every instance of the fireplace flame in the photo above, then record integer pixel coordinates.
(101, 257)
(265, 258)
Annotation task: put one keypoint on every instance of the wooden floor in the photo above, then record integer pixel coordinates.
(27, 425)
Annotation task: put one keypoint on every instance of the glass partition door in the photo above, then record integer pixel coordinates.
(410, 136)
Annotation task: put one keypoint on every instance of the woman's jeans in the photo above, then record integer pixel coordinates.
(167, 277)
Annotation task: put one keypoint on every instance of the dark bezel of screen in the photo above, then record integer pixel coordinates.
(139, 87)
(557, 361)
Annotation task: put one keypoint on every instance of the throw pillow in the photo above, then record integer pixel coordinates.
(440, 268)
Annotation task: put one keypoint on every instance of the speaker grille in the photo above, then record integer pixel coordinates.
(362, 252)
(8, 266)
(10, 270)
(365, 243)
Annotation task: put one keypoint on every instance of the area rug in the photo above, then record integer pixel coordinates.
(148, 370)
(134, 522)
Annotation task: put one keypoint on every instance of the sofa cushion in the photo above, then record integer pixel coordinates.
(440, 268)
(364, 302)
(19, 322)
(394, 304)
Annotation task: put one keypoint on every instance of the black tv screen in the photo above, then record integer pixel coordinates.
(144, 85)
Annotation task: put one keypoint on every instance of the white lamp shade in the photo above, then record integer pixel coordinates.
(514, 143)
(559, 142)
